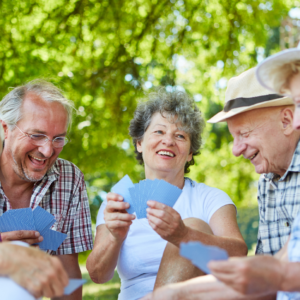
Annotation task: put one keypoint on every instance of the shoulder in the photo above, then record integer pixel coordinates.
(206, 191)
(67, 170)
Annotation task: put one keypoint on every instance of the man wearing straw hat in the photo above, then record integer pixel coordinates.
(261, 123)
(280, 74)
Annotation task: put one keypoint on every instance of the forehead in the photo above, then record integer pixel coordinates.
(247, 120)
(40, 114)
(165, 119)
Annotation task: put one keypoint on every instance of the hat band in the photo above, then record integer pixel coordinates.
(241, 102)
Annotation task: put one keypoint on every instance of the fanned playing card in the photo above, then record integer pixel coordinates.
(122, 188)
(38, 219)
(201, 254)
(73, 285)
(138, 194)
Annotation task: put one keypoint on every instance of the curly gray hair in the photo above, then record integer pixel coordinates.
(177, 107)
(10, 106)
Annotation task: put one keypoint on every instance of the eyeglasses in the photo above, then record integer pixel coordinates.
(42, 139)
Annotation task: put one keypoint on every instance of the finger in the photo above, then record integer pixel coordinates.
(157, 205)
(220, 266)
(117, 224)
(20, 235)
(114, 205)
(33, 241)
(113, 197)
(119, 216)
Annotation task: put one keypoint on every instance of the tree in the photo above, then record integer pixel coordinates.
(107, 54)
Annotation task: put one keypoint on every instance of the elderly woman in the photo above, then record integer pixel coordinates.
(166, 132)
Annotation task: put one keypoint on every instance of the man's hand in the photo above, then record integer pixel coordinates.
(27, 236)
(166, 221)
(36, 271)
(250, 275)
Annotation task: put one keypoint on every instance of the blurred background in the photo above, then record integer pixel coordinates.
(107, 55)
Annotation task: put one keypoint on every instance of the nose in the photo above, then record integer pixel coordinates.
(296, 118)
(238, 147)
(168, 140)
(46, 149)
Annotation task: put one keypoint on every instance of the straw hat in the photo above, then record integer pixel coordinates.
(270, 68)
(245, 93)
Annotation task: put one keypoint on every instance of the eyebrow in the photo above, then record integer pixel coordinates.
(160, 125)
(43, 132)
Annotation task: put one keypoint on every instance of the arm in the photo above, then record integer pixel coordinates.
(202, 288)
(102, 261)
(36, 271)
(258, 274)
(70, 263)
(168, 224)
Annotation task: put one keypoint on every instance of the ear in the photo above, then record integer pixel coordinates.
(190, 156)
(286, 116)
(139, 146)
(5, 129)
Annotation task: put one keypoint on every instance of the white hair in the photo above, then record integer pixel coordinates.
(10, 106)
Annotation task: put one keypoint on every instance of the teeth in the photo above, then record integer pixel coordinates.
(37, 158)
(166, 153)
(252, 156)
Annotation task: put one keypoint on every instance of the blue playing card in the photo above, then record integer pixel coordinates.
(166, 193)
(122, 188)
(201, 254)
(17, 219)
(73, 285)
(42, 219)
(52, 240)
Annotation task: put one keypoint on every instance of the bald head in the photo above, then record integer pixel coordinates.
(266, 137)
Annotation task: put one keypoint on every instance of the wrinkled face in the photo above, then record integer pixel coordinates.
(257, 137)
(165, 147)
(294, 87)
(31, 162)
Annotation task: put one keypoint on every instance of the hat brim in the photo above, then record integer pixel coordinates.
(273, 64)
(223, 116)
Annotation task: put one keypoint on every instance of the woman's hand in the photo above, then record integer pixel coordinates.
(166, 221)
(117, 220)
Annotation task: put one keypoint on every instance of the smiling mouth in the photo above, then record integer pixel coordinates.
(36, 160)
(166, 153)
(253, 156)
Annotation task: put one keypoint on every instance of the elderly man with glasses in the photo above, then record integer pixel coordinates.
(35, 119)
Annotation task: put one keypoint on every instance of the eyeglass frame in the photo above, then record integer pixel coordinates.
(46, 140)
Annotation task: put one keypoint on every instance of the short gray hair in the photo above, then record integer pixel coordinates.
(10, 106)
(177, 107)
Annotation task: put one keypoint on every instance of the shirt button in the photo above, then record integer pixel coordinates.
(286, 224)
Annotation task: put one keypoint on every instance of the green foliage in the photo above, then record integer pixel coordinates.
(107, 54)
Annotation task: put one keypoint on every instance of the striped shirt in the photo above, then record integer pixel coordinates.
(62, 193)
(294, 255)
(279, 203)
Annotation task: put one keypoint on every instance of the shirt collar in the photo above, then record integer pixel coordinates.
(294, 165)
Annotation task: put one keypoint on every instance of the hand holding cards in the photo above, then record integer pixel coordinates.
(39, 220)
(138, 194)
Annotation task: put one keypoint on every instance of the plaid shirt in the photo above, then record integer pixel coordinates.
(279, 203)
(62, 193)
(294, 255)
